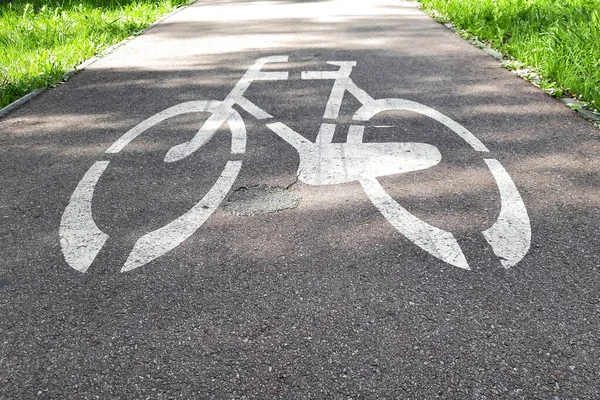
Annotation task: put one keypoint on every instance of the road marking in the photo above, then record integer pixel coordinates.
(336, 163)
(326, 133)
(437, 242)
(342, 83)
(253, 109)
(370, 109)
(183, 108)
(355, 134)
(220, 114)
(158, 242)
(510, 236)
(321, 163)
(254, 73)
(80, 237)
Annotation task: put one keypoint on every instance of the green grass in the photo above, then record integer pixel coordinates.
(559, 38)
(40, 40)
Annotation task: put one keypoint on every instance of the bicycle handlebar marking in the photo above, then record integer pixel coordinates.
(321, 163)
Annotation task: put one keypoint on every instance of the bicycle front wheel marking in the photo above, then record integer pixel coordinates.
(80, 238)
(162, 240)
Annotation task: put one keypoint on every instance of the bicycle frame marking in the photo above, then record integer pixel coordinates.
(321, 163)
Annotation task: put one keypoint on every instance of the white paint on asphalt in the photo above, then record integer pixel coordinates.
(335, 163)
(252, 108)
(224, 111)
(221, 114)
(342, 84)
(183, 108)
(368, 110)
(326, 133)
(255, 73)
(355, 134)
(321, 163)
(80, 237)
(437, 242)
(510, 236)
(162, 240)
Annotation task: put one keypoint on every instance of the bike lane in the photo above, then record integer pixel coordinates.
(430, 234)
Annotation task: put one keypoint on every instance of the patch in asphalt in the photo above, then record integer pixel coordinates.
(248, 201)
(4, 283)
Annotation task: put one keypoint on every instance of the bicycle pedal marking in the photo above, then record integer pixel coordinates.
(321, 163)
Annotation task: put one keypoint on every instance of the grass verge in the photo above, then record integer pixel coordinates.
(40, 40)
(560, 39)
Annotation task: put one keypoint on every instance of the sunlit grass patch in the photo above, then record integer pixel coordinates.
(41, 40)
(559, 38)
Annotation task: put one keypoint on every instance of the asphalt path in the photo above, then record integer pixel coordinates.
(442, 243)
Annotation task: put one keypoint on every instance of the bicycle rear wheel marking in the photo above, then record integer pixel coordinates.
(510, 236)
(437, 242)
(370, 109)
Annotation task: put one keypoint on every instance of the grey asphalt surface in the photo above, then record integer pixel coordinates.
(322, 299)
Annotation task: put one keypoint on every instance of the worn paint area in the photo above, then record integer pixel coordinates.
(260, 200)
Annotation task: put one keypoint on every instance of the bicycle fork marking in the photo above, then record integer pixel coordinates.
(321, 163)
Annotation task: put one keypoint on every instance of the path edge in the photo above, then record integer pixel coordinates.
(67, 75)
(589, 115)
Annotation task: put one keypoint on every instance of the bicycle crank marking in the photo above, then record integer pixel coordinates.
(321, 163)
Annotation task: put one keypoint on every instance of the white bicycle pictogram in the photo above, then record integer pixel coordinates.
(321, 163)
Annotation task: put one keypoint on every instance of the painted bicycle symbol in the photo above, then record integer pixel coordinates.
(321, 163)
